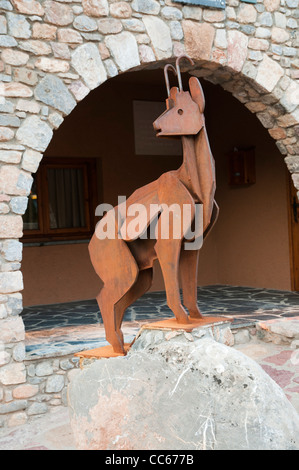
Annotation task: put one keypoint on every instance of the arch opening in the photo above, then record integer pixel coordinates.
(237, 253)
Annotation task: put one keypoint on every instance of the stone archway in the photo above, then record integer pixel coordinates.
(54, 53)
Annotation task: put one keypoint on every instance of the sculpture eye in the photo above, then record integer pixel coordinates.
(180, 111)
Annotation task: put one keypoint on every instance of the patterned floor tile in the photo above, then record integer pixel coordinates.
(240, 302)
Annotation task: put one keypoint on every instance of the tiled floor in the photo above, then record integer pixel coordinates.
(243, 303)
(62, 329)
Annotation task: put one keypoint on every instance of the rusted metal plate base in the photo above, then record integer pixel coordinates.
(171, 323)
(106, 352)
(101, 353)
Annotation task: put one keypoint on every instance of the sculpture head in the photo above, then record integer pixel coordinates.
(184, 109)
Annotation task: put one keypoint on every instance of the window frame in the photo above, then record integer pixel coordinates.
(44, 233)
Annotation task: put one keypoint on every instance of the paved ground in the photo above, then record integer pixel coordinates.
(280, 362)
(53, 432)
(49, 432)
(243, 303)
(76, 326)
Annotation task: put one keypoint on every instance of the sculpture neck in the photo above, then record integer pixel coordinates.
(189, 171)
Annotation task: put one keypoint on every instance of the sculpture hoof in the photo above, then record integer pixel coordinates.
(117, 345)
(195, 314)
(118, 349)
(183, 319)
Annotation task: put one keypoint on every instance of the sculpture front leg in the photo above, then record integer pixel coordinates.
(168, 255)
(107, 308)
(188, 272)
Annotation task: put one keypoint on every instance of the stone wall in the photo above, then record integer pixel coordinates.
(45, 388)
(54, 52)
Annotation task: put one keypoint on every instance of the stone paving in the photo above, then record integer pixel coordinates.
(244, 303)
(280, 362)
(67, 328)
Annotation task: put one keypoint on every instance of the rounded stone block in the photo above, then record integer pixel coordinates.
(18, 26)
(96, 8)
(150, 7)
(292, 163)
(87, 62)
(52, 91)
(15, 90)
(180, 395)
(199, 39)
(237, 44)
(123, 48)
(58, 13)
(6, 134)
(11, 226)
(11, 282)
(160, 36)
(269, 73)
(13, 374)
(29, 7)
(35, 133)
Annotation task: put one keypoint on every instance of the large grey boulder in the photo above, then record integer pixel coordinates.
(180, 395)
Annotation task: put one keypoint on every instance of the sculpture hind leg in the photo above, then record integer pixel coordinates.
(115, 265)
(141, 286)
(112, 303)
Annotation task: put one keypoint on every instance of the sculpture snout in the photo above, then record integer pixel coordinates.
(157, 126)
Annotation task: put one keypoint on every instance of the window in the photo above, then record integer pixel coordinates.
(62, 201)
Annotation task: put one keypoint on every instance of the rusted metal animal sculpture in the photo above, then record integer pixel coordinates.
(125, 264)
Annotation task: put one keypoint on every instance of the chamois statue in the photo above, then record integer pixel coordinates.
(125, 263)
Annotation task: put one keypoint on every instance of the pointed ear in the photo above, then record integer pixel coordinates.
(173, 92)
(170, 102)
(197, 93)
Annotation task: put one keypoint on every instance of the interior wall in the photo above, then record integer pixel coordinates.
(249, 244)
(252, 230)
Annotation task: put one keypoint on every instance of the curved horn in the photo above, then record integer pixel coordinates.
(182, 56)
(167, 66)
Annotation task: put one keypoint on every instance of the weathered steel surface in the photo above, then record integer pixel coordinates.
(125, 264)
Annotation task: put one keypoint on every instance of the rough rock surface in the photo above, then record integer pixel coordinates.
(279, 331)
(180, 394)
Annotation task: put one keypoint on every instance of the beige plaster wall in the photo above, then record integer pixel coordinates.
(251, 235)
(249, 245)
